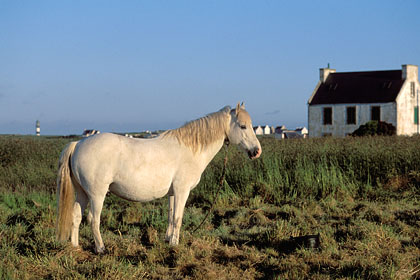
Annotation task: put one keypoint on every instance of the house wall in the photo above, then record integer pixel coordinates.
(405, 107)
(339, 128)
(406, 101)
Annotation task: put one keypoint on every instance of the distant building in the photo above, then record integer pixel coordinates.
(302, 130)
(283, 133)
(263, 130)
(267, 130)
(38, 128)
(258, 130)
(89, 132)
(279, 129)
(342, 101)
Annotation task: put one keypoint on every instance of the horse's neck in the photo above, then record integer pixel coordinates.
(210, 151)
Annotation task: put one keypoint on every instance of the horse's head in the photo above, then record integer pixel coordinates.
(242, 133)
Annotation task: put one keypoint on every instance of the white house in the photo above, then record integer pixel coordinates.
(267, 130)
(283, 133)
(89, 132)
(258, 130)
(342, 101)
(302, 130)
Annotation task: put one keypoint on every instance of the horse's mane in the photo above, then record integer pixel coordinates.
(202, 132)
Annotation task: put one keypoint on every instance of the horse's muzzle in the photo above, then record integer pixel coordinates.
(254, 153)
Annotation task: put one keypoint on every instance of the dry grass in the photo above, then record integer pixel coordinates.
(359, 240)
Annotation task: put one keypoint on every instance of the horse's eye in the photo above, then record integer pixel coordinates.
(243, 126)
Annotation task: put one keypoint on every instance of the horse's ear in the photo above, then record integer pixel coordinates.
(238, 108)
(243, 106)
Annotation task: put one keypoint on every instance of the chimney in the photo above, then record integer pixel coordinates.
(324, 72)
(410, 72)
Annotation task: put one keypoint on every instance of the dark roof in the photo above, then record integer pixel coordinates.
(292, 135)
(359, 87)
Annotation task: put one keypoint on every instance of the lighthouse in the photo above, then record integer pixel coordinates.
(38, 128)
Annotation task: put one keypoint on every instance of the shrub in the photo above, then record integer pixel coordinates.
(375, 128)
(30, 162)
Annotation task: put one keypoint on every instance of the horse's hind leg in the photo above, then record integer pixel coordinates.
(170, 229)
(78, 209)
(89, 217)
(96, 205)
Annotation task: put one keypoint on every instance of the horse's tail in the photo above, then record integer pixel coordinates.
(65, 193)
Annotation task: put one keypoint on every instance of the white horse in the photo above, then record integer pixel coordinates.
(144, 169)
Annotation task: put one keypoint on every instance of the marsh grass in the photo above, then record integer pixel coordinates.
(360, 194)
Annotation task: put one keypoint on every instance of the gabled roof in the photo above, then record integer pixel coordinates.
(292, 135)
(359, 87)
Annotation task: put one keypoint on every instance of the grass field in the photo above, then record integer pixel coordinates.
(361, 195)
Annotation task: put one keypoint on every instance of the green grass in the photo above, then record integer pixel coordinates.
(360, 194)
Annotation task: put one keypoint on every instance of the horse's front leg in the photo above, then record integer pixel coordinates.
(170, 229)
(179, 204)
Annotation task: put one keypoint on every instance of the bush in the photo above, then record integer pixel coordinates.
(30, 162)
(375, 128)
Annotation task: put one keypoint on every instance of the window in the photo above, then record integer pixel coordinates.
(413, 89)
(416, 114)
(327, 116)
(375, 113)
(351, 115)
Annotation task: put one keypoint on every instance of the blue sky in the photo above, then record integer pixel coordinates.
(143, 65)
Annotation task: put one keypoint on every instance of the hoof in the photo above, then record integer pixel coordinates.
(167, 238)
(173, 241)
(100, 251)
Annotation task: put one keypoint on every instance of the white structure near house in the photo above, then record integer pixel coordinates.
(89, 132)
(263, 130)
(302, 130)
(267, 130)
(258, 130)
(342, 101)
(272, 129)
(279, 129)
(283, 133)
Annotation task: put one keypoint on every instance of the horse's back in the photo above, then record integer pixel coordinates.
(97, 147)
